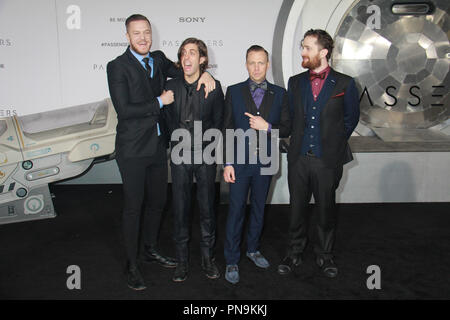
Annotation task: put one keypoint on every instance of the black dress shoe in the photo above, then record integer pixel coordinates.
(134, 279)
(328, 267)
(152, 256)
(181, 272)
(289, 264)
(210, 268)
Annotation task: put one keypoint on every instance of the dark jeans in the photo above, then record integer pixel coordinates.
(310, 176)
(182, 179)
(144, 181)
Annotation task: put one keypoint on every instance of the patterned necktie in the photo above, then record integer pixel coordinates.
(148, 69)
(254, 85)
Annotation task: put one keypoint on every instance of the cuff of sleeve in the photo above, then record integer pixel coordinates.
(160, 102)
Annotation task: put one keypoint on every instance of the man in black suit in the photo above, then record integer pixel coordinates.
(324, 108)
(192, 115)
(136, 81)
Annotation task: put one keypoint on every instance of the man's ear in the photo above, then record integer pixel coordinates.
(202, 60)
(128, 37)
(323, 53)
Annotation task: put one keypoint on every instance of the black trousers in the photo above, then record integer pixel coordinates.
(310, 176)
(182, 179)
(144, 183)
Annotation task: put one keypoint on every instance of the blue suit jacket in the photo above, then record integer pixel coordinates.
(339, 115)
(274, 109)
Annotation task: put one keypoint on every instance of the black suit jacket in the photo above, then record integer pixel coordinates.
(211, 108)
(136, 104)
(338, 118)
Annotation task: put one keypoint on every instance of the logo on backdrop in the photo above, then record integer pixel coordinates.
(170, 43)
(5, 42)
(115, 19)
(191, 19)
(7, 112)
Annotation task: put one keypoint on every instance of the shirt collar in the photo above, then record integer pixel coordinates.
(139, 57)
(326, 70)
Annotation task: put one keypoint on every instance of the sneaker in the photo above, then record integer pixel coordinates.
(232, 273)
(258, 259)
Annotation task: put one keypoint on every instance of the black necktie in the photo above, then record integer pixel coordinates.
(148, 69)
(254, 85)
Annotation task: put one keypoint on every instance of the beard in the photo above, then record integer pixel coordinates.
(312, 63)
(138, 50)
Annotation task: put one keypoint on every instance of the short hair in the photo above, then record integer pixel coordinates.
(256, 48)
(323, 38)
(136, 17)
(202, 50)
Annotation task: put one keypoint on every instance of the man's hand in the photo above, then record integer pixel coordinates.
(208, 81)
(257, 122)
(166, 97)
(228, 174)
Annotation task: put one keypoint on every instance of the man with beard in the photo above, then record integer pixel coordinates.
(136, 80)
(324, 107)
(191, 107)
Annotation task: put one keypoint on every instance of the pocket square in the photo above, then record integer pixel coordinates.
(338, 95)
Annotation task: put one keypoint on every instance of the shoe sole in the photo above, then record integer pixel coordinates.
(161, 264)
(232, 282)
(213, 277)
(179, 280)
(137, 289)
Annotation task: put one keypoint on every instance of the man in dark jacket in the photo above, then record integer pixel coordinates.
(324, 107)
(136, 81)
(191, 115)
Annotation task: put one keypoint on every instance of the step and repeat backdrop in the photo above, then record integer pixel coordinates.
(53, 54)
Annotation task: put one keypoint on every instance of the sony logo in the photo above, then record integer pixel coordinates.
(191, 19)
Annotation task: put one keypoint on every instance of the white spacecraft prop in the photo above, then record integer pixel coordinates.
(42, 148)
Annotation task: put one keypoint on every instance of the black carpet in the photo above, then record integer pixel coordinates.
(409, 242)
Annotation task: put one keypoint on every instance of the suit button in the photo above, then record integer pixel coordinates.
(313, 118)
(314, 108)
(257, 113)
(312, 127)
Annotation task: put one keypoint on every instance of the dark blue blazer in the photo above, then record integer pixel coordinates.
(339, 115)
(274, 109)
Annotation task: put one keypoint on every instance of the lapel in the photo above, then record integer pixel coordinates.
(157, 70)
(267, 101)
(250, 105)
(180, 96)
(305, 90)
(327, 89)
(202, 102)
(140, 69)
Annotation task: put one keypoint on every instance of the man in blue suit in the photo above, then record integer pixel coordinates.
(325, 110)
(253, 106)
